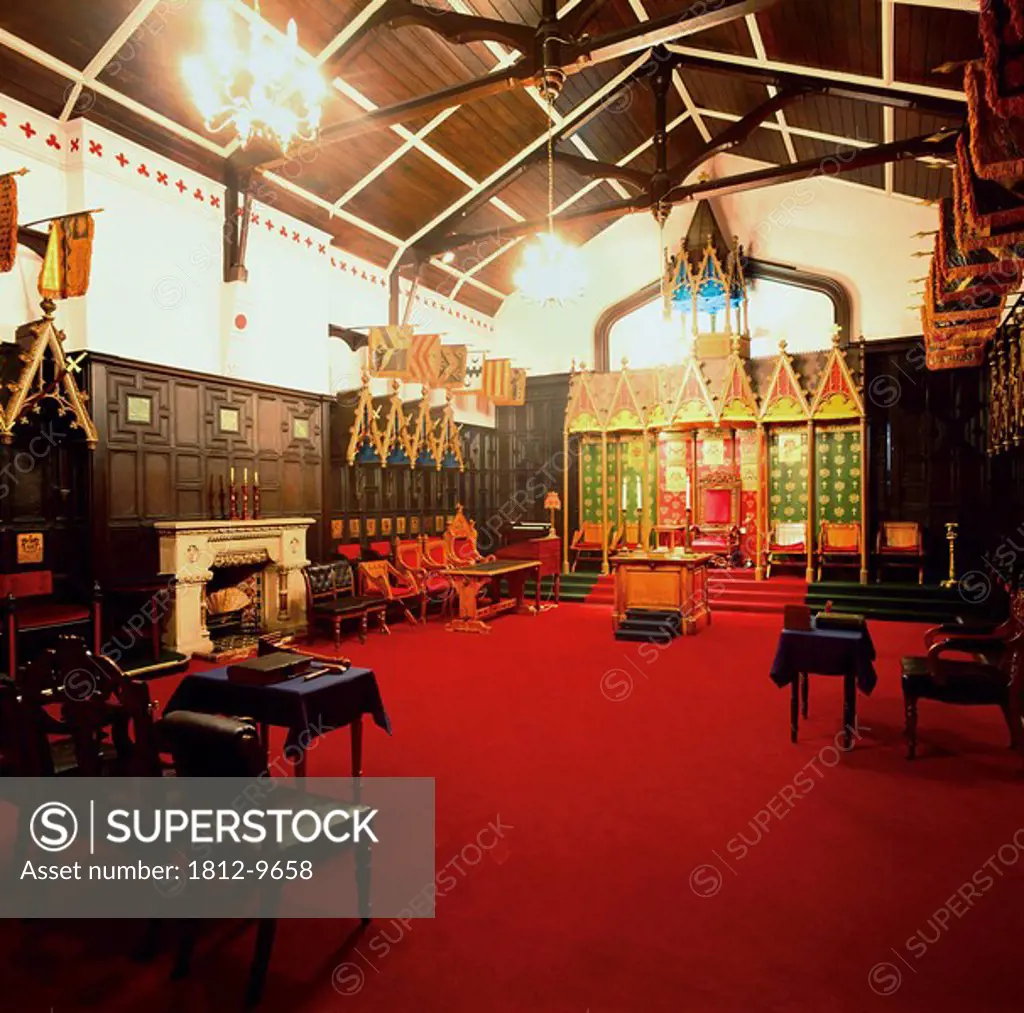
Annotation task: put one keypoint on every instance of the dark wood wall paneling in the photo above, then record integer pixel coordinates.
(928, 461)
(44, 490)
(166, 446)
(508, 470)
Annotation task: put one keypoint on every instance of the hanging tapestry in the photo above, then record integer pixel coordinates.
(474, 381)
(749, 463)
(66, 267)
(591, 504)
(673, 449)
(388, 353)
(787, 470)
(452, 372)
(837, 471)
(8, 222)
(498, 379)
(633, 491)
(425, 359)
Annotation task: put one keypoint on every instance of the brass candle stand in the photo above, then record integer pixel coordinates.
(952, 530)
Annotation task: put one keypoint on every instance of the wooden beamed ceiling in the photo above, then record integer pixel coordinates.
(383, 192)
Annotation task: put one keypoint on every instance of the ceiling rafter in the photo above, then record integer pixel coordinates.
(682, 91)
(572, 118)
(888, 27)
(94, 68)
(578, 195)
(861, 87)
(754, 31)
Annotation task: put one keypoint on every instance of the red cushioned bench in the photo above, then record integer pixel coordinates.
(30, 606)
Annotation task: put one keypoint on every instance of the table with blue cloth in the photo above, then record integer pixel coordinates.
(802, 653)
(307, 707)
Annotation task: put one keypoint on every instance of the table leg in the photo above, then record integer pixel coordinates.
(355, 731)
(294, 748)
(805, 692)
(849, 709)
(537, 591)
(356, 735)
(794, 708)
(558, 587)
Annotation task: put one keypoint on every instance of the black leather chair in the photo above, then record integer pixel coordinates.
(975, 679)
(208, 745)
(331, 599)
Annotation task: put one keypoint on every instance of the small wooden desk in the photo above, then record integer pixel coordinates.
(663, 581)
(468, 580)
(547, 551)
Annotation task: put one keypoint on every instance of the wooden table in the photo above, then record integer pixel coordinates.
(663, 582)
(468, 580)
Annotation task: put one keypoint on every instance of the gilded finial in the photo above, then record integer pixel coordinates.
(836, 331)
(625, 362)
(783, 345)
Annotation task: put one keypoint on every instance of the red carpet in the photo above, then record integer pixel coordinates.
(629, 778)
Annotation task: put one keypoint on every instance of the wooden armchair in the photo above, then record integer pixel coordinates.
(899, 543)
(411, 560)
(839, 545)
(381, 579)
(331, 600)
(966, 681)
(460, 540)
(588, 543)
(787, 545)
(32, 607)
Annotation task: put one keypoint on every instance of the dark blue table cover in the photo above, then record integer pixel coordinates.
(825, 652)
(319, 705)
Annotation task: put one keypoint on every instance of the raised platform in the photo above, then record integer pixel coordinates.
(737, 590)
(926, 603)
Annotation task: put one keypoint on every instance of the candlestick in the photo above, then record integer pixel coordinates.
(245, 494)
(952, 530)
(625, 485)
(688, 503)
(639, 494)
(232, 476)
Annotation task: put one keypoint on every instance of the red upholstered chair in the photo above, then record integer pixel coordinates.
(350, 551)
(381, 549)
(787, 545)
(899, 543)
(434, 555)
(32, 607)
(839, 545)
(379, 578)
(716, 528)
(410, 560)
(588, 543)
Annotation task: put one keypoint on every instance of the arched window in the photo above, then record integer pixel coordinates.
(783, 302)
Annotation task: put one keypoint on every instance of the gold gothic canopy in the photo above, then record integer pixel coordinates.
(710, 393)
(415, 440)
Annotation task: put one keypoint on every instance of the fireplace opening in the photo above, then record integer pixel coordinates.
(234, 607)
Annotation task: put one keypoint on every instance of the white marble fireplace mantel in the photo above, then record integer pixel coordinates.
(191, 550)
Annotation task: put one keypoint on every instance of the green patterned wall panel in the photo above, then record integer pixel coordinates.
(633, 478)
(837, 471)
(590, 474)
(787, 475)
